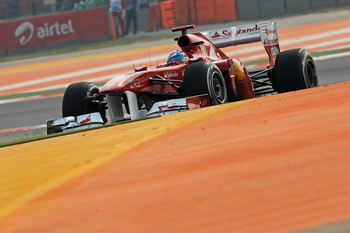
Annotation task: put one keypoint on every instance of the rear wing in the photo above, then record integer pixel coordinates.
(266, 32)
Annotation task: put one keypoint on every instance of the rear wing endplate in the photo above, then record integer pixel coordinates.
(266, 32)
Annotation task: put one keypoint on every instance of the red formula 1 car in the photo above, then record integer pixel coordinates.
(199, 74)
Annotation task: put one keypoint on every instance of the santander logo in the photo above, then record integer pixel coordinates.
(222, 34)
(216, 35)
(248, 29)
(26, 31)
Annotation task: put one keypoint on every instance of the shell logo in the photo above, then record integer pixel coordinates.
(238, 70)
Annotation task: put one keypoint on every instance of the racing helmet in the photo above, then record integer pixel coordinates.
(177, 56)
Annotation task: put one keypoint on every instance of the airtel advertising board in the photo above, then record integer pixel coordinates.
(76, 25)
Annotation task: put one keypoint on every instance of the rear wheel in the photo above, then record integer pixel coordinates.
(294, 70)
(205, 78)
(78, 100)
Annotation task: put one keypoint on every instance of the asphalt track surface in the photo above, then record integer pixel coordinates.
(36, 112)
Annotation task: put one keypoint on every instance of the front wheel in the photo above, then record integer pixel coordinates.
(82, 98)
(294, 70)
(204, 77)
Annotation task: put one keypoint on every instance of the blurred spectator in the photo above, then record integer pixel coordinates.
(90, 4)
(11, 8)
(154, 15)
(99, 3)
(79, 5)
(33, 6)
(64, 5)
(117, 7)
(131, 14)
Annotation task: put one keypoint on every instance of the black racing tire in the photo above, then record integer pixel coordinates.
(74, 98)
(294, 70)
(204, 77)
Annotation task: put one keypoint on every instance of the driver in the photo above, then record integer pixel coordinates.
(177, 57)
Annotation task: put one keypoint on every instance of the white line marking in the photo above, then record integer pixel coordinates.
(22, 128)
(96, 80)
(29, 98)
(327, 57)
(80, 73)
(328, 43)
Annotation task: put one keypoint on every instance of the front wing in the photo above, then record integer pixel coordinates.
(91, 120)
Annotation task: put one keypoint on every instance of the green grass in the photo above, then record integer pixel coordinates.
(330, 52)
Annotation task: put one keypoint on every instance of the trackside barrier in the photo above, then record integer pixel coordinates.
(113, 26)
(226, 11)
(51, 29)
(257, 9)
(206, 11)
(168, 13)
(181, 12)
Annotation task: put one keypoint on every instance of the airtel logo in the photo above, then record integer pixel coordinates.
(26, 26)
(26, 31)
